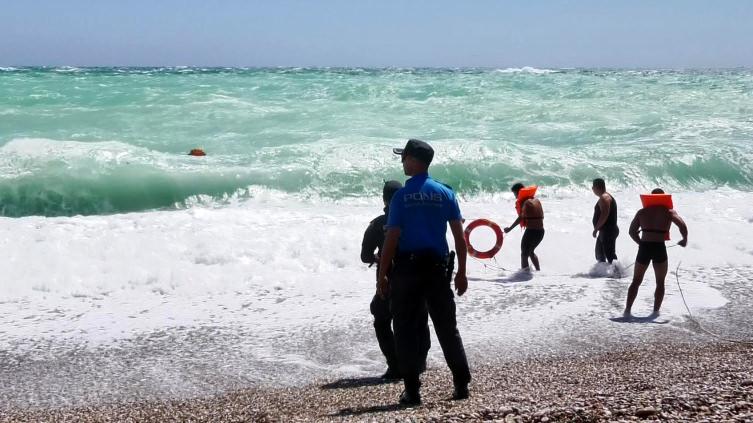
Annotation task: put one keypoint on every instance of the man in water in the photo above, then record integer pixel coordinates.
(605, 222)
(422, 270)
(531, 217)
(653, 223)
(373, 239)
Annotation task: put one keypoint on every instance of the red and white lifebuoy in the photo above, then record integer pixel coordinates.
(483, 254)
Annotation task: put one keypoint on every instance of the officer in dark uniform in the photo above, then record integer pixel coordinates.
(420, 277)
(373, 239)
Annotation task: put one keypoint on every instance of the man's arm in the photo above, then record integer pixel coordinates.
(634, 226)
(524, 211)
(370, 243)
(514, 224)
(461, 280)
(605, 204)
(680, 224)
(385, 262)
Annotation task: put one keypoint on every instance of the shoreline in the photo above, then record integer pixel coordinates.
(666, 381)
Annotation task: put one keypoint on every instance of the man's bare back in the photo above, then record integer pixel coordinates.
(654, 224)
(533, 213)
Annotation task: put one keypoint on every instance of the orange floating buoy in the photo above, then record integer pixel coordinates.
(197, 152)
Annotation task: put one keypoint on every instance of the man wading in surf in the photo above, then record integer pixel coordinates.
(605, 223)
(654, 223)
(531, 217)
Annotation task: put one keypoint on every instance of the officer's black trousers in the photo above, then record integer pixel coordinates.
(380, 308)
(415, 285)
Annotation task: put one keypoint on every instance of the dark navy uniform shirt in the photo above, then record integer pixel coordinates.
(373, 239)
(421, 210)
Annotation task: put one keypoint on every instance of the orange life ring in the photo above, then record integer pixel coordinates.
(650, 200)
(483, 254)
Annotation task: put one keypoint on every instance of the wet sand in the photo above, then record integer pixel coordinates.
(669, 382)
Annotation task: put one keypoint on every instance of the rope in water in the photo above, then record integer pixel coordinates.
(495, 266)
(694, 320)
(682, 295)
(631, 264)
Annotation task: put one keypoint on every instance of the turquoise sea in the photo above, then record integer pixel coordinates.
(110, 140)
(194, 276)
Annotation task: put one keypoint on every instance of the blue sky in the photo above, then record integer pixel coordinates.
(439, 33)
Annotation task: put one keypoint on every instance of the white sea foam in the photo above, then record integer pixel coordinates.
(528, 69)
(287, 272)
(68, 69)
(278, 247)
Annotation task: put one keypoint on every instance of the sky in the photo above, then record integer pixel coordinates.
(384, 33)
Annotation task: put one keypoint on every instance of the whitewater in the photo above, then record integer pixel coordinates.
(134, 271)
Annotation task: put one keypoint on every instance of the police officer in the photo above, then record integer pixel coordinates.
(373, 239)
(420, 277)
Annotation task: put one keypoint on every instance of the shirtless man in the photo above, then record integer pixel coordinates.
(654, 223)
(605, 223)
(531, 217)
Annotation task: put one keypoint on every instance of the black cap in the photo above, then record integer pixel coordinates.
(390, 188)
(417, 149)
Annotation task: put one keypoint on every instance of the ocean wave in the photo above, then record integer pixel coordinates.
(52, 178)
(65, 178)
(528, 69)
(68, 69)
(328, 132)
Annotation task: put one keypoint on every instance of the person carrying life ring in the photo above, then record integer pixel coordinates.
(531, 217)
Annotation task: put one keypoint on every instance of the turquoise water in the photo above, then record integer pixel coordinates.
(108, 140)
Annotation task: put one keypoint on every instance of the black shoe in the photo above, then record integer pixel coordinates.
(461, 392)
(410, 399)
(391, 374)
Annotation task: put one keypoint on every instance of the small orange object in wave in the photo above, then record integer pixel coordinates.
(197, 152)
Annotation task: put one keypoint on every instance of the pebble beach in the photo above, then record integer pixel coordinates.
(710, 382)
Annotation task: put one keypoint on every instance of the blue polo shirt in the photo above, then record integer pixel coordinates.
(421, 209)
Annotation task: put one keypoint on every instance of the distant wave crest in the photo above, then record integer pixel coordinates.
(528, 69)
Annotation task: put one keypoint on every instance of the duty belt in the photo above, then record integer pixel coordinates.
(428, 256)
(428, 259)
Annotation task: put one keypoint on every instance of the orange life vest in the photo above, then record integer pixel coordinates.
(524, 194)
(650, 200)
(658, 200)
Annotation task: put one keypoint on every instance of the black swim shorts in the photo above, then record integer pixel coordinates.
(651, 251)
(531, 239)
